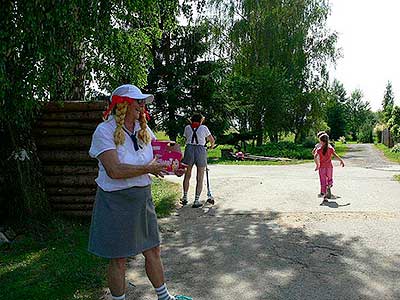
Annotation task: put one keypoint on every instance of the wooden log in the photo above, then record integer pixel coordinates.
(72, 199)
(71, 180)
(76, 213)
(69, 156)
(70, 169)
(75, 206)
(63, 142)
(70, 106)
(265, 158)
(67, 124)
(73, 116)
(62, 132)
(71, 191)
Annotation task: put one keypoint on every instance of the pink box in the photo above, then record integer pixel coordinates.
(168, 152)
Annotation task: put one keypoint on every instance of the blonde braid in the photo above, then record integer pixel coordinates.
(143, 134)
(120, 113)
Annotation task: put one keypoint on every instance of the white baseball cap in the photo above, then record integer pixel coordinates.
(132, 91)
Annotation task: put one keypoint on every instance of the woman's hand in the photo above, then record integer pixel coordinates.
(182, 170)
(156, 168)
(342, 163)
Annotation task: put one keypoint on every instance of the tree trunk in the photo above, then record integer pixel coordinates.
(66, 156)
(77, 181)
(71, 191)
(65, 124)
(77, 106)
(299, 136)
(70, 169)
(68, 199)
(77, 116)
(273, 137)
(259, 139)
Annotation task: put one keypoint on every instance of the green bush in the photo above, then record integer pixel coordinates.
(282, 149)
(395, 149)
(309, 142)
(395, 131)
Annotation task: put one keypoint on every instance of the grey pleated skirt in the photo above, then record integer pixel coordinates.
(124, 223)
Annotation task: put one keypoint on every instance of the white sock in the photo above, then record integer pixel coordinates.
(163, 294)
(122, 297)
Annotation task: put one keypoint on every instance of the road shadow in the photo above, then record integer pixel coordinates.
(333, 204)
(259, 256)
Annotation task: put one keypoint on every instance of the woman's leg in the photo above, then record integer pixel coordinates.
(154, 266)
(116, 276)
(186, 181)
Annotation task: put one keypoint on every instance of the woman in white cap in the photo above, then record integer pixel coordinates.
(124, 222)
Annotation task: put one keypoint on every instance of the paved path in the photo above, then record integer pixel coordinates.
(268, 238)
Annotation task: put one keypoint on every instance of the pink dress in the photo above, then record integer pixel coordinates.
(325, 168)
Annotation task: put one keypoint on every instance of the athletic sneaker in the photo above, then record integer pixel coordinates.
(184, 201)
(197, 204)
(181, 297)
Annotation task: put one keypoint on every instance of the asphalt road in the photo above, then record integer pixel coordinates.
(267, 237)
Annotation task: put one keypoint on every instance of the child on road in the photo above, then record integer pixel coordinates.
(323, 161)
(196, 135)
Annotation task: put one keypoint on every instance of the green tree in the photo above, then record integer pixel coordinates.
(361, 119)
(184, 81)
(54, 53)
(336, 110)
(267, 40)
(387, 102)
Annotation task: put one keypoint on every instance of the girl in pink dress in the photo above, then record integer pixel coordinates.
(323, 161)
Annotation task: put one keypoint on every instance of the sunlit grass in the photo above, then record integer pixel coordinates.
(395, 157)
(341, 149)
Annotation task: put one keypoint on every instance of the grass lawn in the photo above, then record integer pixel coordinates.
(395, 157)
(53, 262)
(397, 177)
(340, 148)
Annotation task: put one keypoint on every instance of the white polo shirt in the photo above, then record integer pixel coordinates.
(103, 140)
(202, 132)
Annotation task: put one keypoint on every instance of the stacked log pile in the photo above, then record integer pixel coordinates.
(63, 136)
